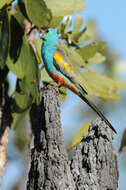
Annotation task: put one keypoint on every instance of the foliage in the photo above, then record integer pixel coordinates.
(123, 142)
(79, 135)
(20, 50)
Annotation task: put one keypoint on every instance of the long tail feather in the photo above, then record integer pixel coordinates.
(97, 111)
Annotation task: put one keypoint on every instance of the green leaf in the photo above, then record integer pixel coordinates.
(26, 69)
(55, 21)
(22, 102)
(17, 14)
(18, 118)
(20, 108)
(88, 33)
(59, 9)
(65, 25)
(78, 23)
(94, 83)
(123, 141)
(2, 3)
(38, 12)
(4, 37)
(79, 135)
(120, 85)
(45, 77)
(100, 85)
(73, 56)
(62, 8)
(90, 50)
(97, 58)
(38, 45)
(16, 68)
(30, 82)
(14, 62)
(63, 92)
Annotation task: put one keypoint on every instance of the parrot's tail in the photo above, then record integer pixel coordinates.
(97, 111)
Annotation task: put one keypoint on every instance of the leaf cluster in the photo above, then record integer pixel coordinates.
(20, 50)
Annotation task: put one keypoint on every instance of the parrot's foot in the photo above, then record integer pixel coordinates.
(51, 86)
(54, 87)
(57, 89)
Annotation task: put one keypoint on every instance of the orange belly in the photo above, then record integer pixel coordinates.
(61, 82)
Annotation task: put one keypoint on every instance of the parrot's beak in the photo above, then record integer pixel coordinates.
(43, 31)
(41, 35)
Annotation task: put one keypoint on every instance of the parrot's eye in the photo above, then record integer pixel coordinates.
(45, 29)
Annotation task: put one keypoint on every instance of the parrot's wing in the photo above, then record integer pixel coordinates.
(62, 65)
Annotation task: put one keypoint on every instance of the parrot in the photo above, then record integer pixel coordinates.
(60, 70)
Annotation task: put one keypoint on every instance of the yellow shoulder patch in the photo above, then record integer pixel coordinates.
(67, 67)
(60, 61)
(58, 58)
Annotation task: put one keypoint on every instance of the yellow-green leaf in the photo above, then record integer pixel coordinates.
(90, 50)
(59, 9)
(22, 102)
(94, 83)
(87, 33)
(20, 108)
(30, 82)
(100, 85)
(26, 69)
(16, 68)
(2, 3)
(73, 56)
(62, 8)
(55, 21)
(120, 84)
(65, 25)
(38, 12)
(97, 58)
(79, 135)
(38, 44)
(45, 77)
(63, 93)
(18, 118)
(78, 23)
(123, 141)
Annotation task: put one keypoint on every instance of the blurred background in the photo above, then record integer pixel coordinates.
(108, 18)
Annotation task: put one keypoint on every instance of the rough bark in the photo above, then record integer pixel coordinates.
(94, 164)
(49, 163)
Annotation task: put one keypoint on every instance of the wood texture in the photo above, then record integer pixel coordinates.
(49, 163)
(94, 164)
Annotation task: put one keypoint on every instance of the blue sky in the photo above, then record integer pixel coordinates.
(110, 16)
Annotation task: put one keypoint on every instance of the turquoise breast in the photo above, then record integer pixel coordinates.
(47, 53)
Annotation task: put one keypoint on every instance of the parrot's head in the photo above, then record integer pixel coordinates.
(49, 34)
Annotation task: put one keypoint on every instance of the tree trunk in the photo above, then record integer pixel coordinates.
(94, 164)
